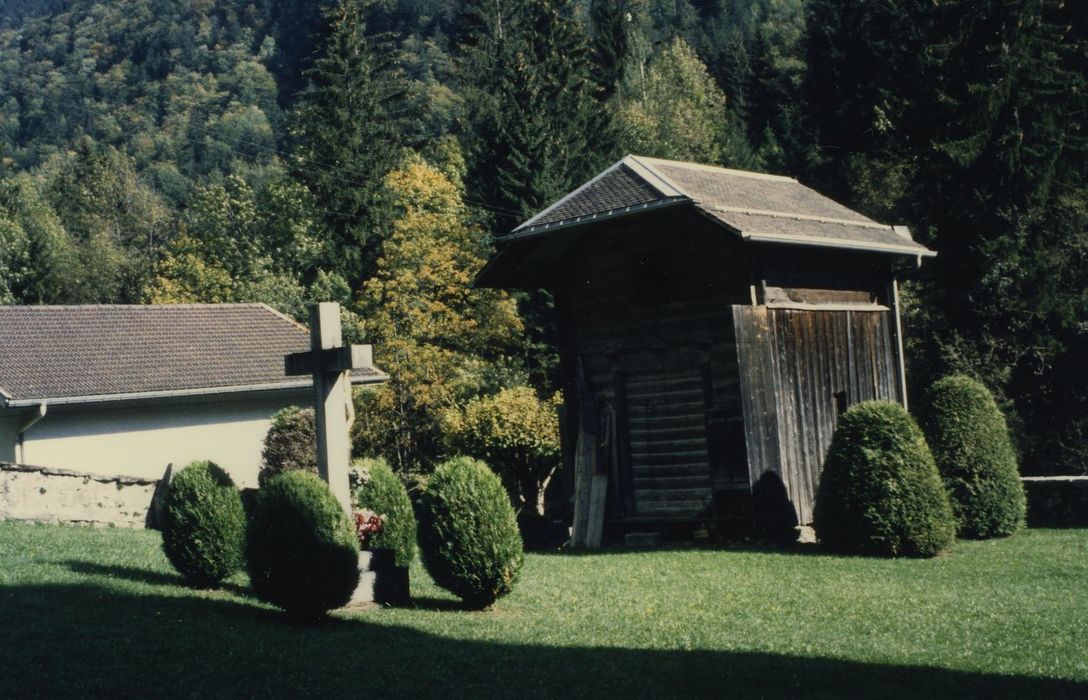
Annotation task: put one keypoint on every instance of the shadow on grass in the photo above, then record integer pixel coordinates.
(439, 604)
(687, 547)
(154, 578)
(89, 640)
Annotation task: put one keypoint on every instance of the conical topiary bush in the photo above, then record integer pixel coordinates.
(880, 492)
(469, 537)
(975, 457)
(203, 524)
(303, 553)
(380, 490)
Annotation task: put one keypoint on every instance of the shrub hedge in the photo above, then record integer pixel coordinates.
(303, 554)
(469, 538)
(516, 433)
(975, 457)
(380, 490)
(203, 524)
(290, 445)
(880, 492)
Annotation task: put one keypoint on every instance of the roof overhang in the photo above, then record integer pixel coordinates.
(524, 254)
(291, 388)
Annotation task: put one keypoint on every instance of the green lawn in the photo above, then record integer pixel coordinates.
(100, 612)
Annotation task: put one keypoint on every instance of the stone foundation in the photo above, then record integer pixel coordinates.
(1057, 501)
(44, 494)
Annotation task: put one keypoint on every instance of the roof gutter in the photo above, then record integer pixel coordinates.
(920, 251)
(184, 393)
(26, 425)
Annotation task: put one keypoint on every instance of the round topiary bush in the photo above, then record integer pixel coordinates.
(379, 490)
(469, 537)
(303, 555)
(974, 455)
(203, 524)
(880, 492)
(290, 445)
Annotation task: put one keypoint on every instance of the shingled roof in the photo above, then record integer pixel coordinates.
(83, 354)
(758, 207)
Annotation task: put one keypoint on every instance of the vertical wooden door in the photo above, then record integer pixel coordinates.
(798, 369)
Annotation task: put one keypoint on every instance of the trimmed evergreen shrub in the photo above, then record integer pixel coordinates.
(880, 492)
(974, 455)
(290, 445)
(469, 537)
(380, 490)
(303, 554)
(203, 524)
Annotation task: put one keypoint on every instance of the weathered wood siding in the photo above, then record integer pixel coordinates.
(794, 364)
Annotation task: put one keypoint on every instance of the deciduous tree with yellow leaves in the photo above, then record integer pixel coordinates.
(437, 337)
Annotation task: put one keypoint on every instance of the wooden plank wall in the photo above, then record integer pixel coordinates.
(794, 362)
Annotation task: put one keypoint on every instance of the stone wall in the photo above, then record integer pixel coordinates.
(1057, 501)
(45, 494)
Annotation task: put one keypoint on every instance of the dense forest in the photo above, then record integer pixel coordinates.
(368, 151)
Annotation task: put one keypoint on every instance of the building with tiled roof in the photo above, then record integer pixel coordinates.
(127, 389)
(713, 323)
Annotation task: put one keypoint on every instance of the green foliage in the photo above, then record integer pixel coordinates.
(515, 431)
(530, 105)
(962, 118)
(182, 88)
(469, 538)
(611, 44)
(90, 227)
(346, 126)
(14, 260)
(203, 524)
(680, 113)
(880, 492)
(379, 490)
(242, 244)
(290, 444)
(431, 330)
(974, 455)
(303, 554)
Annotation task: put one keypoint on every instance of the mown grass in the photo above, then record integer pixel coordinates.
(87, 612)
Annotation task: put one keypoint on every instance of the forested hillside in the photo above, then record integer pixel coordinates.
(367, 151)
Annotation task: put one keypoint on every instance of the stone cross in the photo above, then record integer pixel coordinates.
(330, 363)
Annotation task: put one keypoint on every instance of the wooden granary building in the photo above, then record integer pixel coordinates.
(713, 324)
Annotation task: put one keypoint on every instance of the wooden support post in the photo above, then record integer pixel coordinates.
(590, 486)
(897, 328)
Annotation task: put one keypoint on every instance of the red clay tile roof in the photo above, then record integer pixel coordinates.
(53, 352)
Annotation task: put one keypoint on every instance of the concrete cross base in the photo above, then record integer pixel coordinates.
(380, 579)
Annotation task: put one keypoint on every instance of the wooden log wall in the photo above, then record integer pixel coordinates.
(668, 372)
(799, 369)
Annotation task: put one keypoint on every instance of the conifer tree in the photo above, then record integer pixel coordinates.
(1003, 197)
(346, 131)
(612, 23)
(532, 115)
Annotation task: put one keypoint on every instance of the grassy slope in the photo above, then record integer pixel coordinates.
(100, 612)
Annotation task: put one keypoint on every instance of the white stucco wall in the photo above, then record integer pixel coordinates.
(141, 441)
